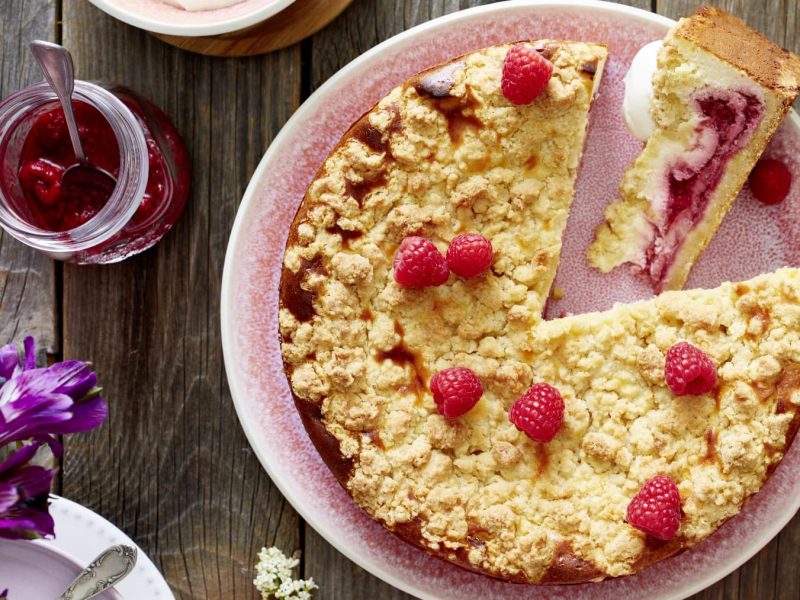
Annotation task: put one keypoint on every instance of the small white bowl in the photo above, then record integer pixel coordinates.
(159, 17)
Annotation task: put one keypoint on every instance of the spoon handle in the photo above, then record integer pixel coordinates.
(103, 573)
(56, 64)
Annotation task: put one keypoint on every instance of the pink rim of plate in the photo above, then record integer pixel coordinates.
(252, 271)
(159, 17)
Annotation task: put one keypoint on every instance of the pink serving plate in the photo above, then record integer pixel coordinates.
(753, 239)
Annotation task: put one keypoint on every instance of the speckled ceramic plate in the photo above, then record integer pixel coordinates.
(753, 239)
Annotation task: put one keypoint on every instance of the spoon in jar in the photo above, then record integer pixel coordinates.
(82, 177)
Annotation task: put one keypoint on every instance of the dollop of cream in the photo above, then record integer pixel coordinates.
(201, 4)
(639, 91)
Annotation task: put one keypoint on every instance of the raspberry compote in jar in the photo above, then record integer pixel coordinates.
(122, 134)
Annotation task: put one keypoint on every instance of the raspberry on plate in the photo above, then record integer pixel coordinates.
(525, 74)
(539, 412)
(689, 371)
(455, 391)
(418, 263)
(656, 508)
(770, 181)
(469, 255)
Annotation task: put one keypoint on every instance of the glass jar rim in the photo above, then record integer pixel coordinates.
(131, 179)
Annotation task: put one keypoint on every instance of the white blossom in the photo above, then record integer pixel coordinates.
(274, 577)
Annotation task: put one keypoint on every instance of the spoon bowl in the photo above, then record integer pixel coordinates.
(82, 177)
(85, 180)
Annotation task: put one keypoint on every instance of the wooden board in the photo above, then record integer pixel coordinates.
(172, 466)
(293, 24)
(28, 303)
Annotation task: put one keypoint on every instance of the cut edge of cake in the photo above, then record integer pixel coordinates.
(753, 75)
(297, 299)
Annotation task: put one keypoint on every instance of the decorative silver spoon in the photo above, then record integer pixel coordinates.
(104, 572)
(56, 64)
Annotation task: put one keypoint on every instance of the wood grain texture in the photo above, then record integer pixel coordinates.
(172, 467)
(300, 20)
(27, 278)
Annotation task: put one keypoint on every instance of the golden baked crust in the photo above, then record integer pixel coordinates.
(441, 154)
(359, 350)
(730, 39)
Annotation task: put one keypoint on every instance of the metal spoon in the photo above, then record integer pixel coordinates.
(56, 64)
(104, 572)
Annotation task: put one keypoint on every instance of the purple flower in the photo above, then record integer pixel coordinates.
(9, 360)
(35, 406)
(56, 400)
(24, 493)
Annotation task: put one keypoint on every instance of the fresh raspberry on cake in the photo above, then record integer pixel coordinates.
(469, 255)
(455, 391)
(656, 508)
(539, 412)
(525, 74)
(418, 263)
(770, 181)
(689, 371)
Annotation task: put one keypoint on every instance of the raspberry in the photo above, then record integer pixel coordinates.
(770, 181)
(455, 391)
(525, 74)
(419, 264)
(689, 370)
(469, 255)
(43, 179)
(656, 508)
(539, 412)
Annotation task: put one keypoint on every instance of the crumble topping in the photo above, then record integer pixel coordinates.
(476, 490)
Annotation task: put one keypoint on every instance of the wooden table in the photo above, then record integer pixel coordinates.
(172, 467)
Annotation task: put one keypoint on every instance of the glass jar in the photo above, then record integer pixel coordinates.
(152, 173)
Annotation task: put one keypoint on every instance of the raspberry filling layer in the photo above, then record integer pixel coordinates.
(729, 119)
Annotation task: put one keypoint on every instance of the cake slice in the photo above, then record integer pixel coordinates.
(443, 154)
(719, 94)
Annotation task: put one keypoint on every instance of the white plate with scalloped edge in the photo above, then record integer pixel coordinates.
(82, 535)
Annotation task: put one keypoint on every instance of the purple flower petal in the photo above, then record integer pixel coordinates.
(21, 456)
(9, 360)
(8, 496)
(24, 505)
(29, 345)
(76, 378)
(28, 524)
(49, 401)
(68, 374)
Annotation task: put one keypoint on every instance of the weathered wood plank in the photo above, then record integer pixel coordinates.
(27, 278)
(772, 572)
(172, 466)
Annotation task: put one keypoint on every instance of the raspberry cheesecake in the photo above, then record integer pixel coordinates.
(414, 279)
(719, 93)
